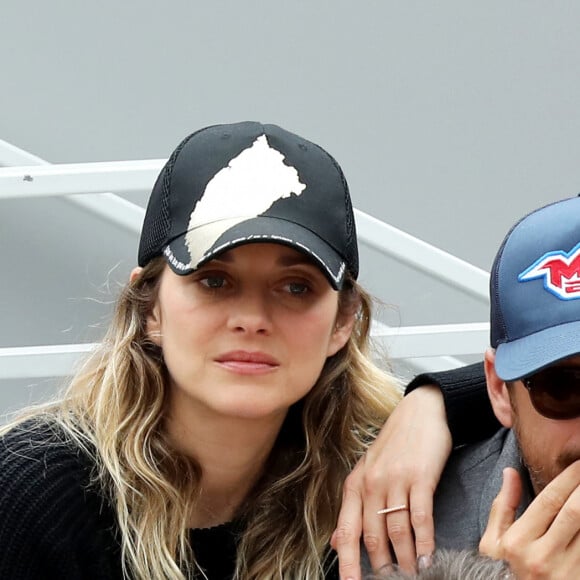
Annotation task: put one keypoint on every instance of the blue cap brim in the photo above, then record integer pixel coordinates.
(522, 357)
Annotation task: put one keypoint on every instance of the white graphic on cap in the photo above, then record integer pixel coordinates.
(560, 271)
(246, 188)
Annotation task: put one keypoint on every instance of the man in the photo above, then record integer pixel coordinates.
(533, 382)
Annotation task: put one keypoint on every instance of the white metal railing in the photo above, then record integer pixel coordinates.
(41, 361)
(64, 179)
(109, 206)
(82, 184)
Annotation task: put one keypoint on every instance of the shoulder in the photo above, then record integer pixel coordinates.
(48, 500)
(37, 459)
(470, 474)
(469, 469)
(43, 474)
(476, 456)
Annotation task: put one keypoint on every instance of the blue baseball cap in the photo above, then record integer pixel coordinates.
(535, 291)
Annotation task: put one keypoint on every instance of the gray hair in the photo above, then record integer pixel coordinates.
(452, 565)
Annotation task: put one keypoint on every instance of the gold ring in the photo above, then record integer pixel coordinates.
(397, 508)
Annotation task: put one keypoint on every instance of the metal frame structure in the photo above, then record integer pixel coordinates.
(24, 175)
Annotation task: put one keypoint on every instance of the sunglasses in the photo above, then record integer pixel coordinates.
(555, 392)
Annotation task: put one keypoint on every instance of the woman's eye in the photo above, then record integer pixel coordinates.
(213, 282)
(297, 288)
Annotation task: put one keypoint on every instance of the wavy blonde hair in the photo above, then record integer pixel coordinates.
(114, 408)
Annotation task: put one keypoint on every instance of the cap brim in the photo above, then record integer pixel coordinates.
(254, 230)
(524, 356)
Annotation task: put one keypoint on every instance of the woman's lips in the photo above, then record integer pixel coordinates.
(246, 362)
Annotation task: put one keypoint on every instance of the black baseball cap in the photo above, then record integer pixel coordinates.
(228, 185)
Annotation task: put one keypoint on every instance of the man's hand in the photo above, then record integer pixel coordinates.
(402, 467)
(544, 543)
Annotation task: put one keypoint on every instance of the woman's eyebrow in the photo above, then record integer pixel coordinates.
(295, 259)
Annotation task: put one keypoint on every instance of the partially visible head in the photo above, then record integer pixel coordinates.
(453, 565)
(533, 367)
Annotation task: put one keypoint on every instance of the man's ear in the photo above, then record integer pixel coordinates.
(497, 391)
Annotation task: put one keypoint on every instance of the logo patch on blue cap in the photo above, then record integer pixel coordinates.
(560, 270)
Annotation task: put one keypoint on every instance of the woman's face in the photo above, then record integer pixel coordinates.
(248, 333)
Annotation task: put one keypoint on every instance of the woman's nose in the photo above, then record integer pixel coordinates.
(251, 314)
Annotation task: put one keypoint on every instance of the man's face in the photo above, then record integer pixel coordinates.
(548, 446)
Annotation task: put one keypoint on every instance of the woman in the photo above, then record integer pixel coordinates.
(210, 432)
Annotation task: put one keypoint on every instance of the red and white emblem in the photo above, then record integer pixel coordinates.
(560, 270)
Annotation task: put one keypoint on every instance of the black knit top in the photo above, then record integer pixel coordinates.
(53, 523)
(469, 412)
(56, 524)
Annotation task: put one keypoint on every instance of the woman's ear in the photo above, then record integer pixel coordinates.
(341, 333)
(153, 320)
(497, 391)
(135, 273)
(153, 326)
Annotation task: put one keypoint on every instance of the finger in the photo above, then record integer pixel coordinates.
(400, 533)
(571, 565)
(402, 540)
(421, 510)
(375, 539)
(566, 526)
(374, 524)
(556, 553)
(346, 537)
(502, 513)
(540, 514)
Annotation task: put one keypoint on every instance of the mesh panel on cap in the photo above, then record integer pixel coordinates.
(350, 254)
(351, 246)
(351, 241)
(157, 224)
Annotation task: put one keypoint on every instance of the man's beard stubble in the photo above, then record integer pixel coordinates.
(541, 473)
